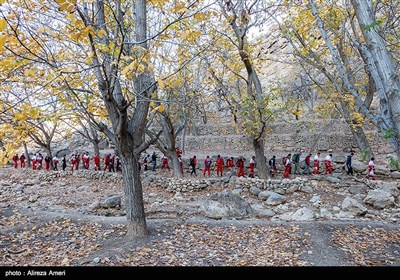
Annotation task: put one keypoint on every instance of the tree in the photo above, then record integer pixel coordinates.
(385, 121)
(382, 70)
(253, 104)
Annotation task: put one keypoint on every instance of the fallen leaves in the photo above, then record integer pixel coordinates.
(369, 246)
(54, 243)
(203, 245)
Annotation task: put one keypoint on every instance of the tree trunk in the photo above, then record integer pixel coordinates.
(27, 157)
(358, 132)
(260, 159)
(96, 148)
(133, 195)
(183, 139)
(169, 134)
(387, 75)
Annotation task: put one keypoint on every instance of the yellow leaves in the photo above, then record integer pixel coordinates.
(158, 3)
(161, 84)
(159, 108)
(87, 30)
(190, 35)
(101, 33)
(179, 8)
(2, 41)
(29, 72)
(3, 24)
(67, 5)
(201, 16)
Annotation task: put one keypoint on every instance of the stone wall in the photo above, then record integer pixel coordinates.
(307, 136)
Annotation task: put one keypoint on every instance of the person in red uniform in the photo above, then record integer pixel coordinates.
(22, 161)
(86, 160)
(220, 164)
(251, 166)
(39, 160)
(229, 162)
(164, 163)
(288, 166)
(33, 159)
(15, 160)
(96, 160)
(371, 169)
(72, 161)
(107, 160)
(207, 166)
(240, 165)
(178, 152)
(328, 164)
(316, 164)
(55, 163)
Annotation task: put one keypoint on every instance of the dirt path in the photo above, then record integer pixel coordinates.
(48, 223)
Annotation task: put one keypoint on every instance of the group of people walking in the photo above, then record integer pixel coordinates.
(112, 163)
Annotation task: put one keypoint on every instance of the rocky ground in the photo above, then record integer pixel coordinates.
(64, 219)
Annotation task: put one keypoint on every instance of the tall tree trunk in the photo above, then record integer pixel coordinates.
(170, 143)
(96, 147)
(27, 157)
(383, 61)
(183, 139)
(135, 213)
(260, 159)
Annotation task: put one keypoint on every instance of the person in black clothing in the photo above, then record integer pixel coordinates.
(192, 163)
(348, 164)
(154, 161)
(64, 163)
(272, 164)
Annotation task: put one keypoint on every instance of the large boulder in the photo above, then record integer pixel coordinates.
(395, 175)
(262, 212)
(111, 202)
(255, 191)
(379, 199)
(303, 214)
(332, 179)
(226, 205)
(275, 199)
(358, 189)
(391, 187)
(382, 170)
(359, 167)
(264, 195)
(353, 206)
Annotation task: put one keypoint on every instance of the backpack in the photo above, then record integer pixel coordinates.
(208, 162)
(270, 162)
(284, 160)
(191, 163)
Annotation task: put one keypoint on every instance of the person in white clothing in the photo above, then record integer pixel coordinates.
(328, 164)
(371, 169)
(316, 164)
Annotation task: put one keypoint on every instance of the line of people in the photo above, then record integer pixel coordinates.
(112, 163)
